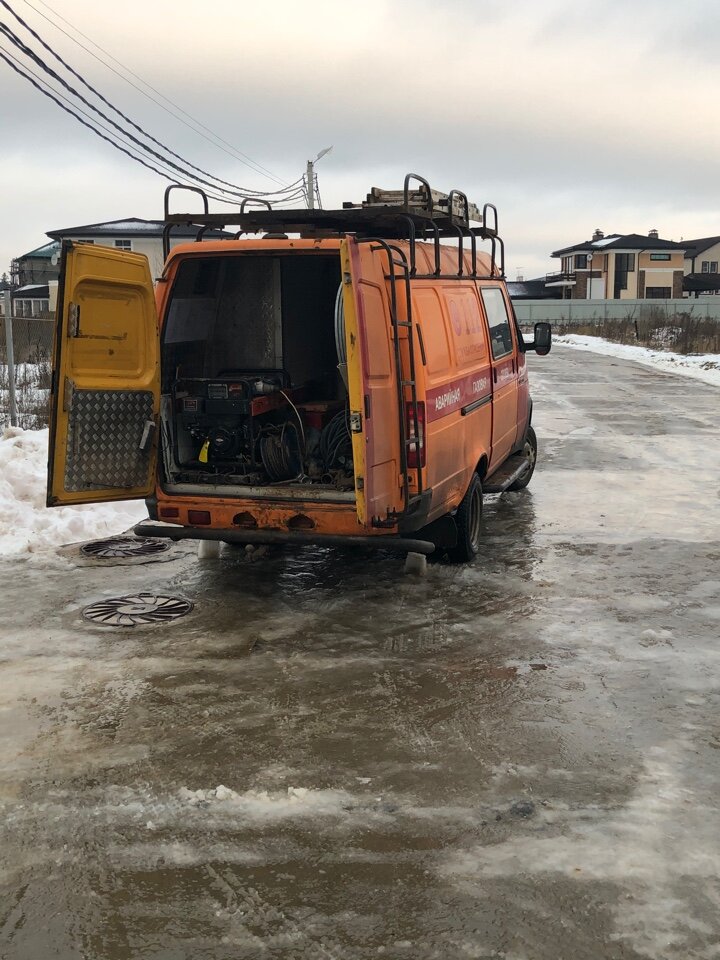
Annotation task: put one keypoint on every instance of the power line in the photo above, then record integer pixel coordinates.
(238, 191)
(46, 93)
(146, 148)
(236, 153)
(44, 87)
(57, 97)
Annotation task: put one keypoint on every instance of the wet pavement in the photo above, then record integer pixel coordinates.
(328, 759)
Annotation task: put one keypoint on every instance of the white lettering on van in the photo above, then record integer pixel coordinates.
(447, 399)
(480, 386)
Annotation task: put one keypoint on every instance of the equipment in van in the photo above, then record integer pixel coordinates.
(352, 376)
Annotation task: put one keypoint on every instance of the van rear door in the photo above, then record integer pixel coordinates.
(372, 385)
(106, 378)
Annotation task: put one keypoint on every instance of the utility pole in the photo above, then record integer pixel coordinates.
(310, 177)
(10, 359)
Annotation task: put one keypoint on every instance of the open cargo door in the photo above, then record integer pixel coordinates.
(106, 378)
(372, 386)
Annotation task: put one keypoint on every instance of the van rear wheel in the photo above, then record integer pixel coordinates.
(529, 451)
(468, 518)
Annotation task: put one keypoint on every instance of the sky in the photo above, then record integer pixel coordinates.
(568, 117)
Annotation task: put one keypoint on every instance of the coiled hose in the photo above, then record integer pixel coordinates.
(281, 453)
(336, 442)
(340, 345)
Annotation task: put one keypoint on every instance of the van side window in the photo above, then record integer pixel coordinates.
(498, 320)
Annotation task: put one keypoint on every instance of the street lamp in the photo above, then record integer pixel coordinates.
(311, 176)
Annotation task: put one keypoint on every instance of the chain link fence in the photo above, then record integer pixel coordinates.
(32, 339)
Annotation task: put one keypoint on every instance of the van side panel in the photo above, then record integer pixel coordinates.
(441, 431)
(457, 388)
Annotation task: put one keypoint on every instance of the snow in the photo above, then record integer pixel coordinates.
(27, 526)
(699, 366)
(277, 805)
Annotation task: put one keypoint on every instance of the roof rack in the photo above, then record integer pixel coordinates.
(417, 214)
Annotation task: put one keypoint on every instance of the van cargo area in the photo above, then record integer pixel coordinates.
(254, 399)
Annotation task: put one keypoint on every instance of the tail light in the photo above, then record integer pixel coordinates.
(416, 449)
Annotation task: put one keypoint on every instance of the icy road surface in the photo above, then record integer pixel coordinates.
(326, 759)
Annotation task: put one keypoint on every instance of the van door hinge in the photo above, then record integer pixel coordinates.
(355, 421)
(74, 320)
(390, 520)
(68, 394)
(359, 483)
(347, 279)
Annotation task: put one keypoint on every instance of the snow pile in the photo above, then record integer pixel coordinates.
(26, 525)
(278, 805)
(700, 366)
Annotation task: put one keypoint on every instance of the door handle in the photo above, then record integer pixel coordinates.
(147, 436)
(494, 374)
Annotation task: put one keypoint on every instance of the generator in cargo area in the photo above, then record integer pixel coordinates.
(252, 427)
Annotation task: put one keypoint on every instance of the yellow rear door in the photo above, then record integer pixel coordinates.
(106, 378)
(373, 387)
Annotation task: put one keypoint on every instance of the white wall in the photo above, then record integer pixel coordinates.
(587, 311)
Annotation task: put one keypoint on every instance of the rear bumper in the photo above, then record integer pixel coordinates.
(172, 532)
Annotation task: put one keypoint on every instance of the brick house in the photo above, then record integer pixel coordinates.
(620, 267)
(702, 257)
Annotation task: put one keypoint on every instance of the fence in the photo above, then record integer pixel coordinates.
(589, 311)
(683, 326)
(32, 339)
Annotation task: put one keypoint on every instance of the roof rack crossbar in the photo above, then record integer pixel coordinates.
(436, 244)
(200, 236)
(265, 203)
(461, 253)
(486, 207)
(412, 236)
(426, 186)
(182, 186)
(464, 205)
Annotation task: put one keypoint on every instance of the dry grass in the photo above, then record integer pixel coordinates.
(681, 333)
(32, 343)
(32, 393)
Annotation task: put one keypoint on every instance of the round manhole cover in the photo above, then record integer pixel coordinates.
(137, 610)
(123, 547)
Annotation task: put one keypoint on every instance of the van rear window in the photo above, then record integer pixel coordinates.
(500, 333)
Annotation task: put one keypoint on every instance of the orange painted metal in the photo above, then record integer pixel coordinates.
(450, 318)
(325, 518)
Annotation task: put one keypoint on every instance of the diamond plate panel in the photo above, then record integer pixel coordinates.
(104, 432)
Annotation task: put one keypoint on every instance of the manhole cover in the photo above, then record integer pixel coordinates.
(123, 547)
(136, 610)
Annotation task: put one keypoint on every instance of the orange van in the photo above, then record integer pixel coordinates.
(343, 377)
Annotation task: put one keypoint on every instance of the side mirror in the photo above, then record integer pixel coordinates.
(543, 339)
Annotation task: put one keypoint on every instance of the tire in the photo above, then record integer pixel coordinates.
(529, 450)
(468, 518)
